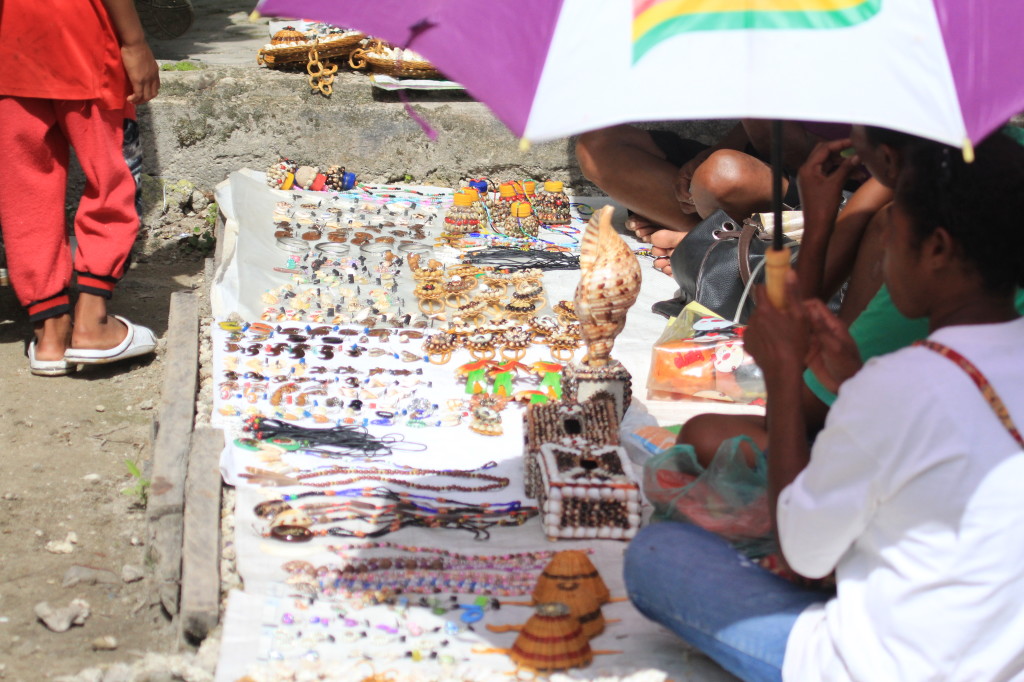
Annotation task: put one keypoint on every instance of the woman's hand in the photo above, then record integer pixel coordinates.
(821, 180)
(834, 356)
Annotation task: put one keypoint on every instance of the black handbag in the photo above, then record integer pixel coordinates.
(715, 262)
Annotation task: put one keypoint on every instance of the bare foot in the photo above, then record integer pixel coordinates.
(666, 239)
(662, 260)
(101, 335)
(642, 227)
(52, 337)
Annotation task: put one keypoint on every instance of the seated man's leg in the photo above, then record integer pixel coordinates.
(694, 583)
(706, 433)
(625, 162)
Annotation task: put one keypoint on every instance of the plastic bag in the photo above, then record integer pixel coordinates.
(700, 355)
(729, 498)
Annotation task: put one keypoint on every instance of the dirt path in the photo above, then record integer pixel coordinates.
(66, 442)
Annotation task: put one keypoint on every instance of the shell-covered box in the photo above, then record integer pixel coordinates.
(578, 472)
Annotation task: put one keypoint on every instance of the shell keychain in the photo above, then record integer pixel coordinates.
(480, 346)
(515, 343)
(530, 290)
(321, 74)
(457, 288)
(566, 311)
(486, 421)
(473, 311)
(431, 297)
(563, 346)
(439, 347)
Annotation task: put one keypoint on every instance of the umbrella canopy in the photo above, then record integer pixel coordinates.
(942, 69)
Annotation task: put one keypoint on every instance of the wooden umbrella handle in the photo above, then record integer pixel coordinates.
(776, 265)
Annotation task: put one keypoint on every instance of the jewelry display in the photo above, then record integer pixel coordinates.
(342, 448)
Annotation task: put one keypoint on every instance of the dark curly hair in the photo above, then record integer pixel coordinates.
(980, 204)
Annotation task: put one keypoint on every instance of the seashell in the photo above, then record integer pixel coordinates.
(609, 284)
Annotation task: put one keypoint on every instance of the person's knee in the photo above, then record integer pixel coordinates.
(592, 152)
(724, 178)
(704, 434)
(599, 152)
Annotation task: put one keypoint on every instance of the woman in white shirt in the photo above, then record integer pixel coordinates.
(914, 490)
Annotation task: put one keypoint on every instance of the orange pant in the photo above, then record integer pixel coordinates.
(35, 136)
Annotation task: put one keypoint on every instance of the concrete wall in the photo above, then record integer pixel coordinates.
(208, 123)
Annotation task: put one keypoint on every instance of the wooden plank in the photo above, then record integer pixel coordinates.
(171, 445)
(200, 563)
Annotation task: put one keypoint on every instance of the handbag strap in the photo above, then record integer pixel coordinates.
(987, 390)
(743, 252)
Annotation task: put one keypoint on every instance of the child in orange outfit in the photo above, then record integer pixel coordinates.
(88, 104)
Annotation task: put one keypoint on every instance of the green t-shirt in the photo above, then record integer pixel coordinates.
(881, 329)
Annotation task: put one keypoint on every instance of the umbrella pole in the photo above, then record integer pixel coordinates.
(777, 258)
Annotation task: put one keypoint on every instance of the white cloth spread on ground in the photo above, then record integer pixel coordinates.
(246, 271)
(915, 495)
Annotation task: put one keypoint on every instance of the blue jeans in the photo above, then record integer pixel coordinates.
(694, 583)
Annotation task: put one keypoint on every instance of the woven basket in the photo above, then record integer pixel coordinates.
(551, 639)
(583, 604)
(378, 63)
(326, 49)
(570, 570)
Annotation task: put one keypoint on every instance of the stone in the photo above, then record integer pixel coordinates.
(89, 576)
(101, 408)
(92, 478)
(104, 643)
(120, 672)
(146, 405)
(61, 619)
(60, 547)
(131, 573)
(199, 201)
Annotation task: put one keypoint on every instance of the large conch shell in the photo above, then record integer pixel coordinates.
(609, 284)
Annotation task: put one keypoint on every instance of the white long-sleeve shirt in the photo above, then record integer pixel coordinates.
(915, 496)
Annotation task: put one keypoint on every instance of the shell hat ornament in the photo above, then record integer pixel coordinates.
(609, 285)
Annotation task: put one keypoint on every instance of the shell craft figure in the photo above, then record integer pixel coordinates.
(609, 284)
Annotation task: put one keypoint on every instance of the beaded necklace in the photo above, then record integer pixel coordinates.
(476, 523)
(334, 584)
(510, 561)
(497, 482)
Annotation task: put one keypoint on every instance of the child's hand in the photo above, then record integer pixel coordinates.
(143, 72)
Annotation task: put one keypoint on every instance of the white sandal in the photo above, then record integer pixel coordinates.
(47, 368)
(138, 341)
